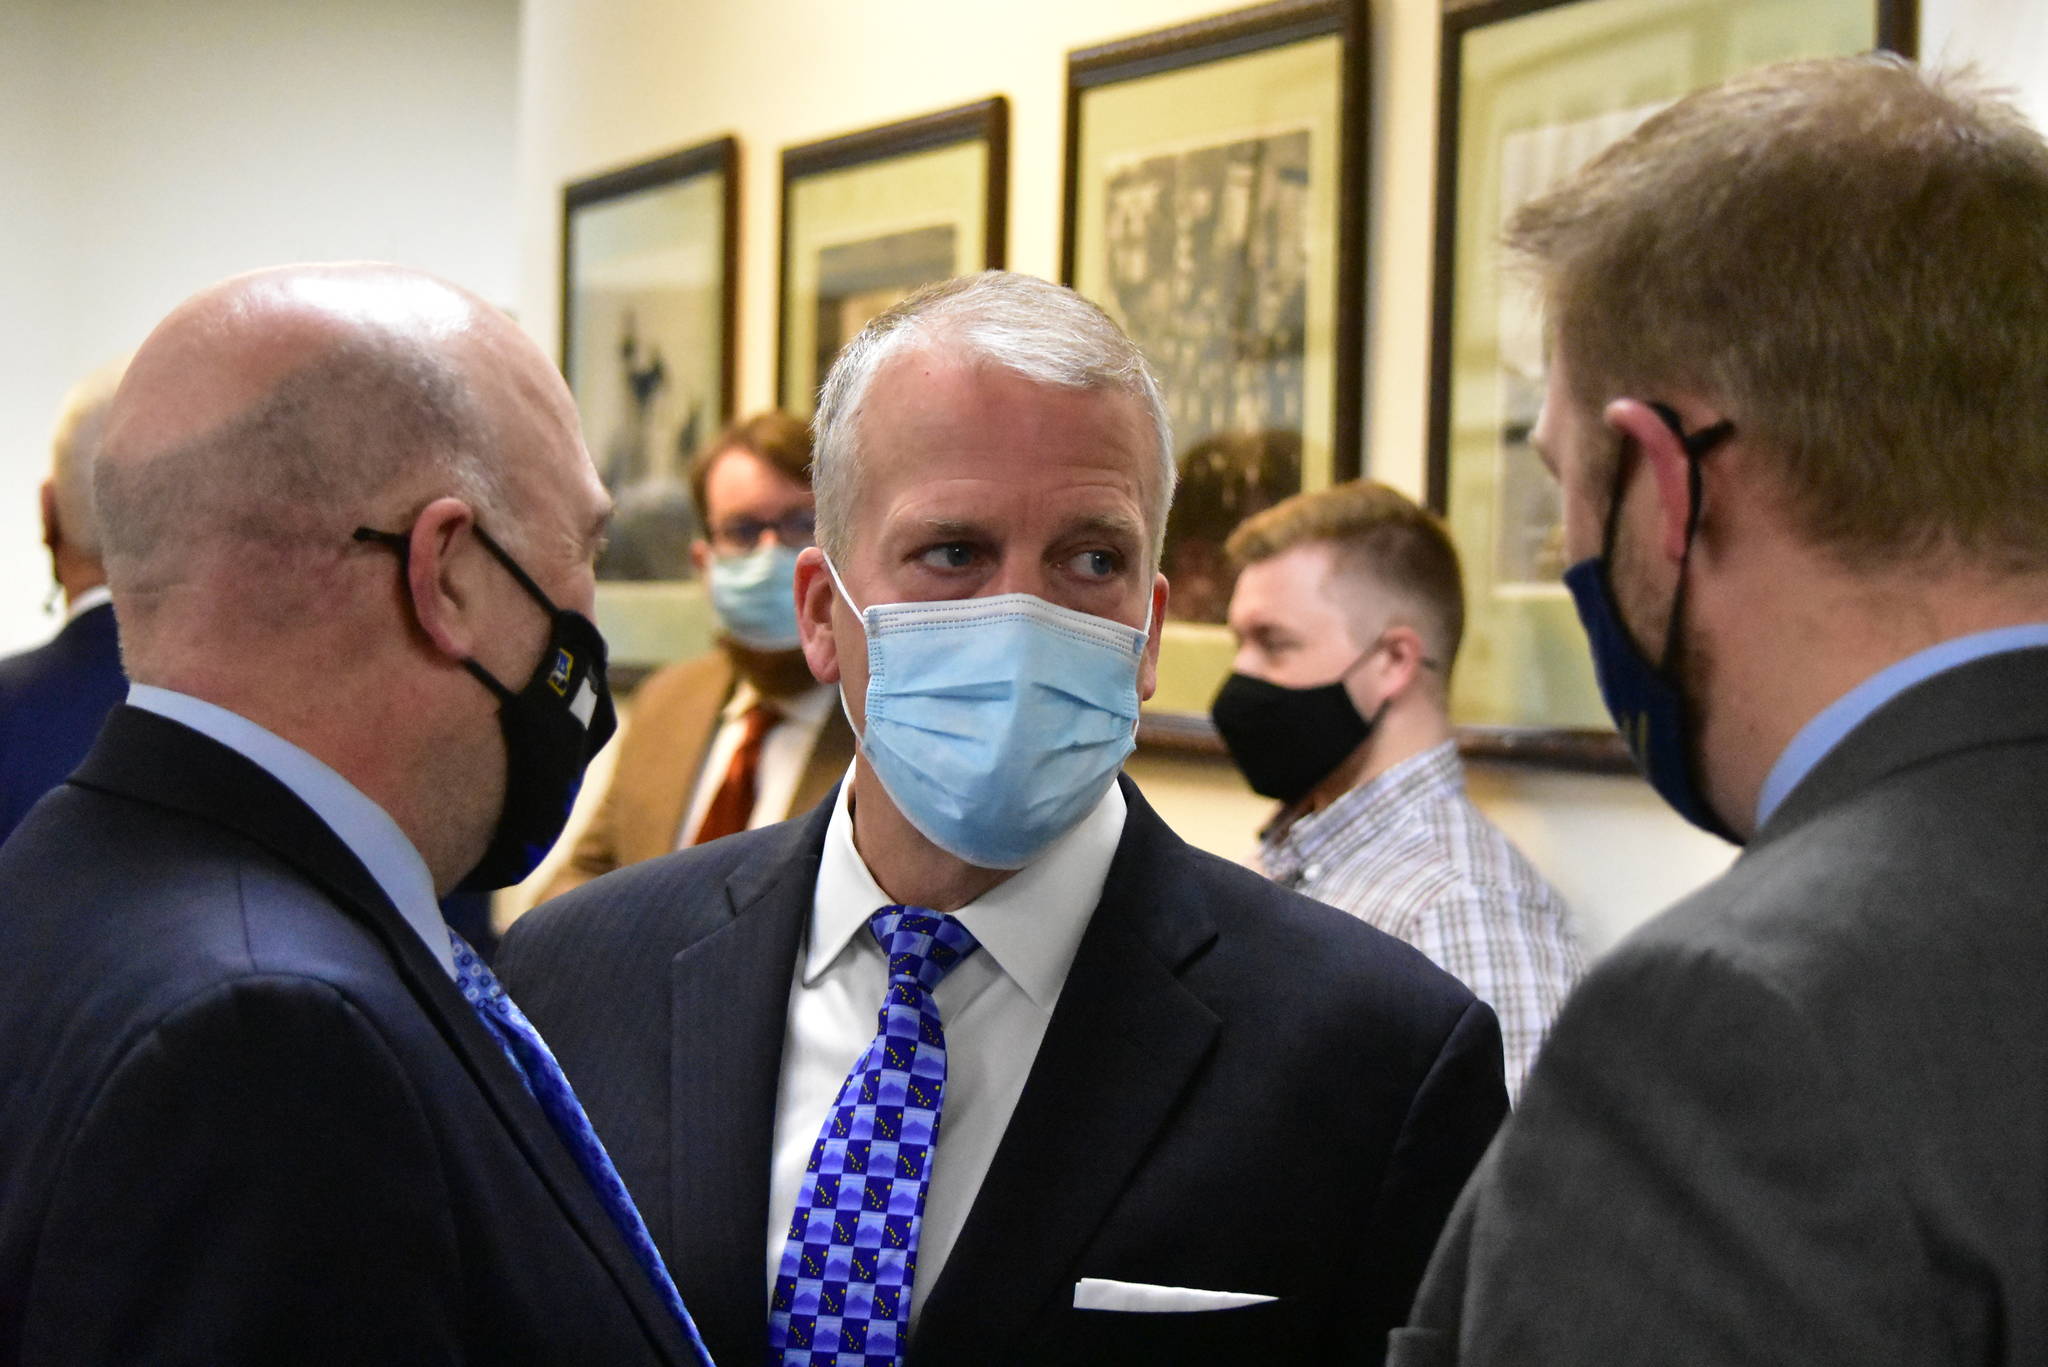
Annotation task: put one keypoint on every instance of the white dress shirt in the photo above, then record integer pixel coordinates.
(367, 829)
(86, 602)
(994, 1006)
(784, 752)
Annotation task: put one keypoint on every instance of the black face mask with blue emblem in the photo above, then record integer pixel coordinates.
(553, 727)
(1646, 700)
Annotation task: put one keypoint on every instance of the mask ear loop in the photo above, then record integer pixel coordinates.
(1696, 445)
(1372, 722)
(840, 584)
(845, 707)
(401, 545)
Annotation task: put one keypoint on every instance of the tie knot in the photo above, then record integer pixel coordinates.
(923, 946)
(757, 721)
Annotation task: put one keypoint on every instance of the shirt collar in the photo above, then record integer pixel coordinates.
(367, 829)
(1347, 822)
(86, 602)
(1030, 924)
(1833, 723)
(744, 696)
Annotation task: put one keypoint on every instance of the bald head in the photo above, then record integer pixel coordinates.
(271, 414)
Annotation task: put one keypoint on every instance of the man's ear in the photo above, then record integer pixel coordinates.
(815, 596)
(53, 529)
(1401, 656)
(700, 556)
(1148, 668)
(1669, 466)
(441, 565)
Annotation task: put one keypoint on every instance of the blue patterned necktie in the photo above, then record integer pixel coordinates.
(536, 1066)
(842, 1295)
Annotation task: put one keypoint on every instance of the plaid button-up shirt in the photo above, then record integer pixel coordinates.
(1410, 854)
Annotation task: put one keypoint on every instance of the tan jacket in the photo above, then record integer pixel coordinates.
(675, 715)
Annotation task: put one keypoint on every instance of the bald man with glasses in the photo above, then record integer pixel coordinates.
(742, 736)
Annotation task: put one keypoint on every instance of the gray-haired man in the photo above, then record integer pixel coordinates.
(1167, 1086)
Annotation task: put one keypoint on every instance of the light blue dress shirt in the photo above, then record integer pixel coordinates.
(1835, 721)
(367, 829)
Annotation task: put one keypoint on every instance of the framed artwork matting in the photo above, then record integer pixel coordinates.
(870, 216)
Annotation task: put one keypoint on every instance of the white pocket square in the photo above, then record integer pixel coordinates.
(1101, 1293)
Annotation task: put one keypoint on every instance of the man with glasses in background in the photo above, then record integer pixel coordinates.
(742, 736)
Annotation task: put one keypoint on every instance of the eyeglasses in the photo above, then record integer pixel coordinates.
(796, 530)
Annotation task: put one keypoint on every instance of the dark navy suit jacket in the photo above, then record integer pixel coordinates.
(1240, 1090)
(52, 701)
(245, 1116)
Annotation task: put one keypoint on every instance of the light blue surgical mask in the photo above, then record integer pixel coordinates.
(754, 596)
(996, 724)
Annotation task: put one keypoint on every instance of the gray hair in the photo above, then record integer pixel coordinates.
(74, 450)
(1044, 332)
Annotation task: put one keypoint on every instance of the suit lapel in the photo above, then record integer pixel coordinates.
(730, 996)
(1124, 1043)
(152, 759)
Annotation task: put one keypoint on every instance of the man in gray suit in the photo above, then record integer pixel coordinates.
(1799, 411)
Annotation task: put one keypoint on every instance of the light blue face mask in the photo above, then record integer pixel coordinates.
(754, 596)
(996, 724)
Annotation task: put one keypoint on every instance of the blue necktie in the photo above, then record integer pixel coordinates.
(536, 1066)
(842, 1295)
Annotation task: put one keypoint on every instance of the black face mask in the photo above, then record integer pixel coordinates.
(552, 726)
(1287, 740)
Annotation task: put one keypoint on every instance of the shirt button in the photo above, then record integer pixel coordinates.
(1311, 870)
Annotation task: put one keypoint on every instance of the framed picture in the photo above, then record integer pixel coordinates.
(649, 314)
(869, 217)
(1531, 90)
(1215, 206)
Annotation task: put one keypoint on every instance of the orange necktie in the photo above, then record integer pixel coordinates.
(733, 804)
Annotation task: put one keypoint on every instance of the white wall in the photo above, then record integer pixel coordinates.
(2007, 41)
(149, 147)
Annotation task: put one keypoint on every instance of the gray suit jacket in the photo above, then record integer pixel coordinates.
(1802, 1117)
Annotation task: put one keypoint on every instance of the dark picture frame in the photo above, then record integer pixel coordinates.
(1215, 204)
(1529, 90)
(868, 216)
(649, 334)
